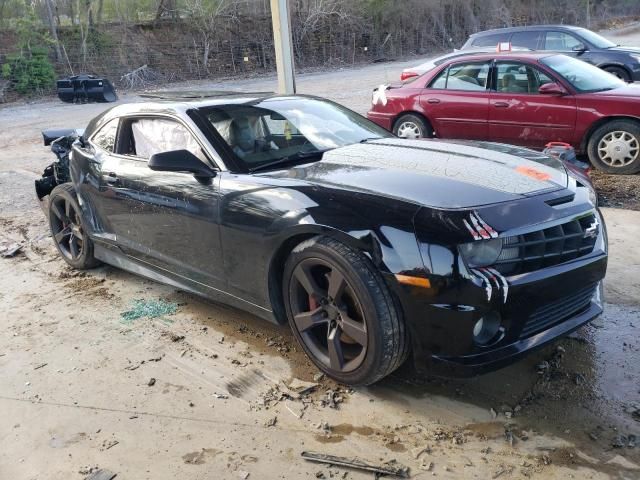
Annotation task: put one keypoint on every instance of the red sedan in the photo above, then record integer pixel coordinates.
(526, 99)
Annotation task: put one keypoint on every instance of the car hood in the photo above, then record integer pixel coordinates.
(436, 173)
(627, 91)
(623, 49)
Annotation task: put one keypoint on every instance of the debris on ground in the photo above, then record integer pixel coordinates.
(107, 444)
(39, 366)
(101, 474)
(87, 469)
(332, 399)
(271, 422)
(389, 468)
(174, 337)
(10, 250)
(222, 396)
(243, 475)
(151, 382)
(149, 309)
(301, 387)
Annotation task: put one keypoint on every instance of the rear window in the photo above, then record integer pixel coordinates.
(528, 39)
(491, 40)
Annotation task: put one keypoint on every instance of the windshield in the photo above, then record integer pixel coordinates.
(288, 128)
(595, 39)
(583, 76)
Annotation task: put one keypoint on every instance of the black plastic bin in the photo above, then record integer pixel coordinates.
(86, 88)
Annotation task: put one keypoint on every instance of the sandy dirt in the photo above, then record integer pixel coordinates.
(75, 378)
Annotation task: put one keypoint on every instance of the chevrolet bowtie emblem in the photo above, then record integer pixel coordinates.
(592, 230)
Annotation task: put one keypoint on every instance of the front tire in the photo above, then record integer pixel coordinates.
(412, 126)
(342, 313)
(619, 72)
(67, 229)
(615, 147)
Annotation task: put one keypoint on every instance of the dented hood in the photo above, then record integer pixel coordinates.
(437, 173)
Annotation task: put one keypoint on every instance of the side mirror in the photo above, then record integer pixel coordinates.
(552, 89)
(180, 161)
(581, 47)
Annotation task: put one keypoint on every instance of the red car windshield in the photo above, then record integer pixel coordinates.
(583, 76)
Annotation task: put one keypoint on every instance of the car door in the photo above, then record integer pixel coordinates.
(456, 101)
(105, 200)
(174, 218)
(520, 115)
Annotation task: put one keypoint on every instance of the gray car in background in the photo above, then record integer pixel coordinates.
(623, 62)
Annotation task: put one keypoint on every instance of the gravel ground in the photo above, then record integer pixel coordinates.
(206, 392)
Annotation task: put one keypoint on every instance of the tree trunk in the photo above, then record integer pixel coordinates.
(99, 15)
(54, 30)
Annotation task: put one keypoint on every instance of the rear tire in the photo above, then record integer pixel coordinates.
(619, 72)
(615, 147)
(342, 313)
(412, 126)
(67, 229)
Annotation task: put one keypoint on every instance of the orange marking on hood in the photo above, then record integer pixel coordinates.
(533, 173)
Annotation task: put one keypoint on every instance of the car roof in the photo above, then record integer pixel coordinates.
(519, 55)
(525, 28)
(179, 103)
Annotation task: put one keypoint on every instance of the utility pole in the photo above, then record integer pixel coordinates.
(281, 17)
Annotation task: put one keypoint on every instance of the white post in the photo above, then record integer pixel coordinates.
(284, 46)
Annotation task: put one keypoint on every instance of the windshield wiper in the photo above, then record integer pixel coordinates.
(291, 158)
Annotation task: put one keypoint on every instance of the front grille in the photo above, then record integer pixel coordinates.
(549, 246)
(552, 313)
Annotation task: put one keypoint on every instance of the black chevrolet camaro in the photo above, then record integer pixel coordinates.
(373, 248)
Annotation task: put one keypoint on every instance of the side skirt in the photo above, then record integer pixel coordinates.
(111, 255)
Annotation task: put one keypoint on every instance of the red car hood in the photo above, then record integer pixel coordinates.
(628, 91)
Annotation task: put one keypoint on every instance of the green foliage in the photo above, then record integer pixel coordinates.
(29, 74)
(30, 70)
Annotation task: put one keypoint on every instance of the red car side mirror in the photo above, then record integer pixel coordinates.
(552, 89)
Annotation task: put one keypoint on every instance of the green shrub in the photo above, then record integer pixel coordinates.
(30, 70)
(29, 73)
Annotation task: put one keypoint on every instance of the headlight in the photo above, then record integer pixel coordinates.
(481, 253)
(593, 196)
(636, 58)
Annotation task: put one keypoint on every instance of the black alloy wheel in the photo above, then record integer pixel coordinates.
(65, 222)
(328, 315)
(342, 313)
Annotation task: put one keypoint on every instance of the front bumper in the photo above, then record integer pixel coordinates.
(475, 364)
(442, 331)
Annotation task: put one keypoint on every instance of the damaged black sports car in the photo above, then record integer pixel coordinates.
(465, 256)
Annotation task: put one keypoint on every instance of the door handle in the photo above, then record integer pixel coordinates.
(500, 104)
(433, 100)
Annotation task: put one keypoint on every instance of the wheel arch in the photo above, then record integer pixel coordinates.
(616, 65)
(599, 123)
(365, 244)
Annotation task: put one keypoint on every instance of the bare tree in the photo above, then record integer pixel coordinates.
(53, 29)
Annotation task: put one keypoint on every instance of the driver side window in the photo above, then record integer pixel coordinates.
(515, 77)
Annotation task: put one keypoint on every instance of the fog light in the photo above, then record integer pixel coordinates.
(486, 328)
